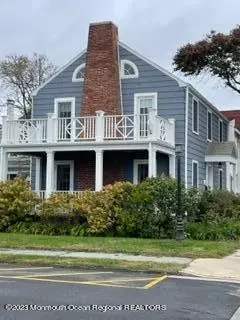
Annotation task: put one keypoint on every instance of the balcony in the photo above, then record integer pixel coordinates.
(99, 128)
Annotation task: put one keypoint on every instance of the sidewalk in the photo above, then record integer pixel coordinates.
(97, 255)
(225, 268)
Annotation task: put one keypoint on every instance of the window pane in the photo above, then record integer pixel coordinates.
(80, 74)
(64, 109)
(220, 131)
(63, 177)
(195, 116)
(128, 70)
(195, 174)
(209, 126)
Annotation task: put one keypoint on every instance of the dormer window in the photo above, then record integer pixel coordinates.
(128, 70)
(78, 74)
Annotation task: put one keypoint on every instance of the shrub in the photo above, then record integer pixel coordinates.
(16, 201)
(228, 230)
(149, 210)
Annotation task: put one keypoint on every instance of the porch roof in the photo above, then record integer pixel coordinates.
(221, 152)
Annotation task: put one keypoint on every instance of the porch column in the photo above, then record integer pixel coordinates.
(228, 176)
(99, 170)
(3, 165)
(49, 173)
(234, 173)
(172, 166)
(152, 161)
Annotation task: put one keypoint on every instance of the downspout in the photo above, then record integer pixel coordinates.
(186, 137)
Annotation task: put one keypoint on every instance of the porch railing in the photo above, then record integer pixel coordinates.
(91, 128)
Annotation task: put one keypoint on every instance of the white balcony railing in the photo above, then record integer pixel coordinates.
(91, 128)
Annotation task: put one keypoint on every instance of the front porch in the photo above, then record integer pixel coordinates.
(73, 172)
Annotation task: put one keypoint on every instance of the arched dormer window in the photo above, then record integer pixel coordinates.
(78, 74)
(128, 70)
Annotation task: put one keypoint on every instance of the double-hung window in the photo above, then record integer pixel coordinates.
(195, 178)
(220, 131)
(195, 116)
(209, 126)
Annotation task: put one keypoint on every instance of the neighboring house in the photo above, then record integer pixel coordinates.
(111, 114)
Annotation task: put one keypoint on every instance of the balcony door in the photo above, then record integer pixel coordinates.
(65, 111)
(63, 175)
(142, 103)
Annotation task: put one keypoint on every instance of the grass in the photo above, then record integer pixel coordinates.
(164, 268)
(150, 247)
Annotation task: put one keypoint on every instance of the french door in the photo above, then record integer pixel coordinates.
(143, 102)
(65, 111)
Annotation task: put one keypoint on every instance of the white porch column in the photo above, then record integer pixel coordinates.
(234, 174)
(152, 161)
(49, 173)
(3, 165)
(228, 176)
(172, 166)
(38, 173)
(99, 170)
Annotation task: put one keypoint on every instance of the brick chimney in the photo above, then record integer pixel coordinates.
(102, 83)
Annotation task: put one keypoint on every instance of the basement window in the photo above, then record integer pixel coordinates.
(128, 70)
(78, 74)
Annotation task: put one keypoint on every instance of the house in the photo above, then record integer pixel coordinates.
(19, 165)
(111, 114)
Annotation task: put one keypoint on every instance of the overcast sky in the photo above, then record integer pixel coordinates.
(155, 28)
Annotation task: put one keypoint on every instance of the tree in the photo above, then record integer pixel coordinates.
(21, 74)
(218, 55)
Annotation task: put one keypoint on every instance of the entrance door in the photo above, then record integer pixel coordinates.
(140, 170)
(64, 108)
(142, 104)
(64, 175)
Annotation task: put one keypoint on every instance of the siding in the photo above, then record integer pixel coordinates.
(171, 97)
(197, 144)
(60, 87)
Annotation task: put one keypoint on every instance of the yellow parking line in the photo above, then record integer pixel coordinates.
(154, 282)
(124, 280)
(76, 282)
(62, 274)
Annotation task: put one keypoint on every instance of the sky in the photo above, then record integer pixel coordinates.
(154, 28)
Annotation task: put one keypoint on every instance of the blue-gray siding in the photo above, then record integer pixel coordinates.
(197, 143)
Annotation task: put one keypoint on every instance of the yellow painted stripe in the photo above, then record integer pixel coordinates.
(124, 280)
(154, 282)
(76, 282)
(63, 274)
(19, 269)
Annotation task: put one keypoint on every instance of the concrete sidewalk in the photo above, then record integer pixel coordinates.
(97, 255)
(225, 268)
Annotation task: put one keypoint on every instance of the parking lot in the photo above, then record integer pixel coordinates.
(63, 293)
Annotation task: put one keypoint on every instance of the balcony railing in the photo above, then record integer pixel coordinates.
(91, 128)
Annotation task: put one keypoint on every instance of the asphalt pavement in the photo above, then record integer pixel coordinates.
(29, 293)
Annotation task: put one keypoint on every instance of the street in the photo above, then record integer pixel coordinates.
(29, 293)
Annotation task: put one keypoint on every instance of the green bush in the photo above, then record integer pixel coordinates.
(227, 230)
(149, 211)
(16, 201)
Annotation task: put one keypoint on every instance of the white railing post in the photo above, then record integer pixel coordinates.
(5, 130)
(51, 128)
(99, 125)
(152, 132)
(136, 126)
(170, 134)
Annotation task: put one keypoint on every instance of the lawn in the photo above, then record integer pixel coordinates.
(33, 260)
(151, 247)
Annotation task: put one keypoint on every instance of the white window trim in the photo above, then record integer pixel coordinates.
(145, 94)
(75, 72)
(58, 100)
(195, 162)
(136, 162)
(219, 125)
(195, 99)
(71, 163)
(128, 76)
(208, 111)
